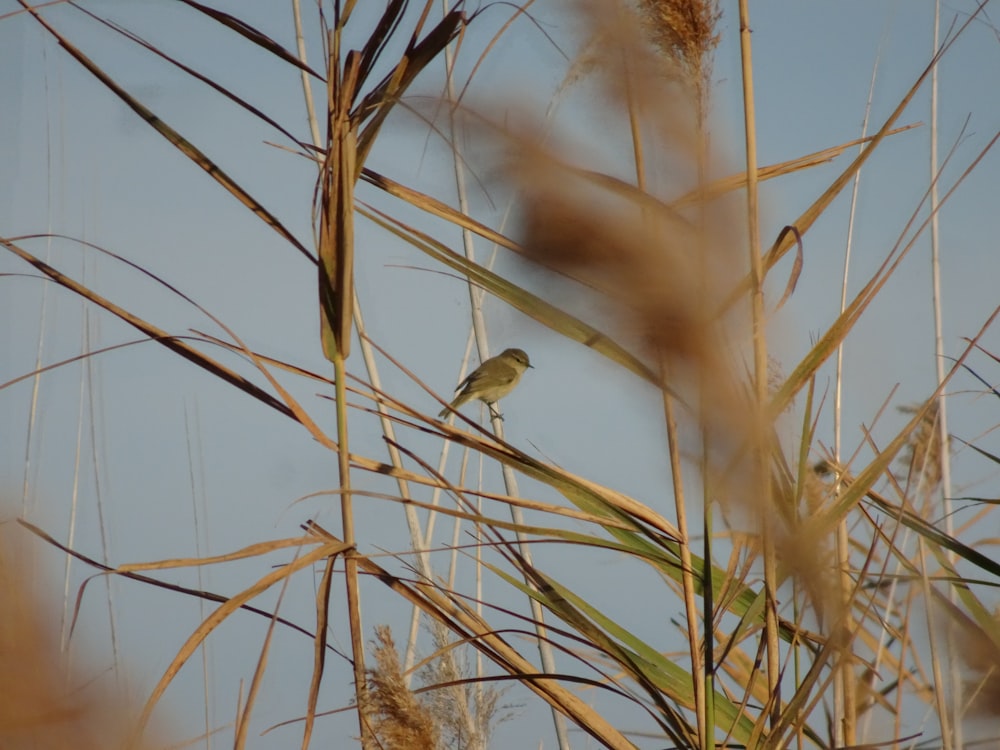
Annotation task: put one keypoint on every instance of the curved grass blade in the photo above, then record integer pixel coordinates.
(659, 675)
(208, 595)
(247, 31)
(837, 332)
(531, 305)
(375, 107)
(239, 101)
(330, 548)
(157, 334)
(811, 214)
(736, 181)
(438, 208)
(187, 148)
(481, 635)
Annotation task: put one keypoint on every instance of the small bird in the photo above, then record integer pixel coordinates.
(492, 380)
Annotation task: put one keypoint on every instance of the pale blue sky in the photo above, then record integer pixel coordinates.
(74, 160)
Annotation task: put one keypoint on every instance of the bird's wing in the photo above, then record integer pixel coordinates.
(468, 379)
(498, 372)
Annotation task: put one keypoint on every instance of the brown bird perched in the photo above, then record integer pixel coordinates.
(492, 380)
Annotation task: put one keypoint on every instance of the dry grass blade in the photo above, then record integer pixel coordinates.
(932, 534)
(519, 11)
(243, 719)
(589, 496)
(806, 220)
(551, 532)
(230, 95)
(331, 548)
(247, 31)
(376, 105)
(379, 37)
(793, 277)
(152, 581)
(483, 637)
(290, 406)
(336, 237)
(71, 360)
(530, 304)
(191, 151)
(252, 550)
(438, 208)
(863, 483)
(737, 181)
(794, 714)
(655, 546)
(358, 461)
(319, 648)
(836, 333)
(157, 334)
(664, 681)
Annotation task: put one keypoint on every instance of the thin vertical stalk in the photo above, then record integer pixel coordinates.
(479, 325)
(412, 519)
(336, 295)
(481, 541)
(844, 687)
(692, 618)
(957, 684)
(242, 727)
(196, 479)
(703, 675)
(687, 573)
(634, 128)
(773, 655)
(36, 380)
(33, 412)
(371, 367)
(845, 700)
(300, 48)
(74, 498)
(708, 617)
(351, 558)
(940, 699)
(95, 457)
(323, 592)
(426, 536)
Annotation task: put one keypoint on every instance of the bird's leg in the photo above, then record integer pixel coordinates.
(494, 412)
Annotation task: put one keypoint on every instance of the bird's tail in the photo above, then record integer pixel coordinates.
(460, 399)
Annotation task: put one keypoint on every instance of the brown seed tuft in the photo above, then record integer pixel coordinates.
(401, 721)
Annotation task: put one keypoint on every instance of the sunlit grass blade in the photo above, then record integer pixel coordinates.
(483, 637)
(232, 605)
(658, 674)
(520, 299)
(737, 181)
